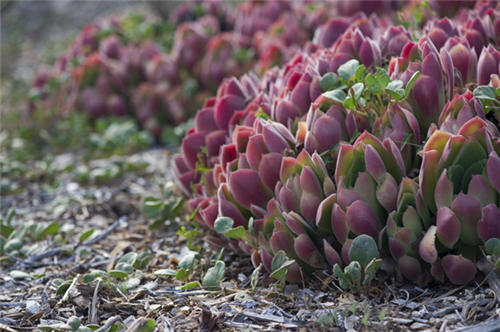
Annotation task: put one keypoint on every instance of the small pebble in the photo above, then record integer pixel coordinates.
(32, 307)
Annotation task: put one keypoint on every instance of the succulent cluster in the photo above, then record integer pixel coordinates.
(159, 72)
(371, 134)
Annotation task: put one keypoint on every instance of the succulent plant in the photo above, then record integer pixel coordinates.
(461, 109)
(285, 172)
(458, 185)
(488, 64)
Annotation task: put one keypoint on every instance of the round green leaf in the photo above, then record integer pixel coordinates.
(223, 224)
(363, 250)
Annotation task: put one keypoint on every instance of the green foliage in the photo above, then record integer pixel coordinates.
(254, 277)
(126, 273)
(362, 269)
(489, 98)
(214, 275)
(368, 93)
(280, 265)
(363, 249)
(74, 324)
(190, 235)
(492, 248)
(163, 209)
(224, 225)
(23, 240)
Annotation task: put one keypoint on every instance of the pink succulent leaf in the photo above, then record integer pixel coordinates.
(458, 269)
(410, 267)
(247, 188)
(307, 251)
(448, 227)
(362, 220)
(489, 225)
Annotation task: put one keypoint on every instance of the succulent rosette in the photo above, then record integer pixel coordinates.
(488, 64)
(459, 185)
(401, 126)
(394, 39)
(355, 44)
(440, 30)
(461, 109)
(404, 230)
(464, 60)
(434, 84)
(367, 177)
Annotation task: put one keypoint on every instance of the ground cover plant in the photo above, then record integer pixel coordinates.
(383, 132)
(343, 175)
(160, 71)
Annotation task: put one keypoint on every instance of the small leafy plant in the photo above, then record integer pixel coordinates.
(365, 262)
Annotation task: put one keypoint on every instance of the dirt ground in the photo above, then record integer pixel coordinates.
(31, 295)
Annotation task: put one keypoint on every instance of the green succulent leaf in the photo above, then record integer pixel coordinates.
(338, 95)
(371, 270)
(166, 272)
(215, 275)
(280, 265)
(85, 235)
(188, 259)
(191, 285)
(19, 275)
(152, 207)
(348, 69)
(353, 272)
(118, 274)
(182, 274)
(128, 258)
(360, 73)
(223, 224)
(236, 233)
(363, 250)
(411, 83)
(254, 277)
(328, 82)
(395, 89)
(349, 103)
(492, 247)
(485, 92)
(357, 90)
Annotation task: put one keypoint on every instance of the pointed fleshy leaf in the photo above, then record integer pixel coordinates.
(307, 251)
(489, 225)
(468, 211)
(269, 169)
(247, 188)
(410, 267)
(387, 192)
(443, 193)
(374, 164)
(448, 227)
(282, 241)
(427, 247)
(458, 269)
(479, 188)
(493, 168)
(331, 255)
(339, 223)
(361, 219)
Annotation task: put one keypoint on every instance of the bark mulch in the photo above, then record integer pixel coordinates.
(32, 298)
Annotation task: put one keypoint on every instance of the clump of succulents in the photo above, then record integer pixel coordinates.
(159, 72)
(367, 138)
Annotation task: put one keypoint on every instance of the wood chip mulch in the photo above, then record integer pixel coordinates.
(113, 210)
